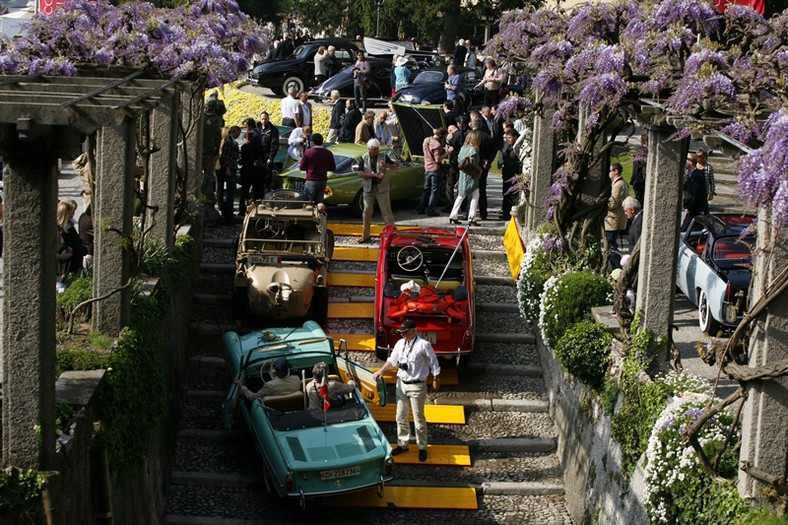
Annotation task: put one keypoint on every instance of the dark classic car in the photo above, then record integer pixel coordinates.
(426, 275)
(379, 91)
(713, 268)
(428, 88)
(307, 453)
(299, 68)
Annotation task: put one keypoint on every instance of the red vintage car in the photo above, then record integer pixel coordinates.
(425, 274)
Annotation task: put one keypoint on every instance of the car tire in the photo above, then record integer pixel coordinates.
(329, 244)
(320, 306)
(381, 353)
(240, 304)
(357, 205)
(292, 80)
(707, 323)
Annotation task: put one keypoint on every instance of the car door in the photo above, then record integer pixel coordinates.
(374, 392)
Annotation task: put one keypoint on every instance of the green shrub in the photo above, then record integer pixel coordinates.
(80, 359)
(80, 290)
(568, 299)
(584, 352)
(20, 495)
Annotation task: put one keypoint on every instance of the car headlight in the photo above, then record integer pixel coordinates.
(327, 193)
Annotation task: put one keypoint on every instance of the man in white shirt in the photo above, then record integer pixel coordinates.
(290, 107)
(415, 359)
(299, 141)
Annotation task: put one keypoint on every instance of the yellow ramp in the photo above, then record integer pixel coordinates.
(460, 498)
(444, 414)
(448, 375)
(353, 229)
(350, 310)
(351, 279)
(444, 455)
(349, 253)
(356, 342)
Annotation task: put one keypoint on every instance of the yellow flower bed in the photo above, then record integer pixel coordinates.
(244, 104)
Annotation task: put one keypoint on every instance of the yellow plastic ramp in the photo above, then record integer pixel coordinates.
(448, 375)
(366, 280)
(444, 414)
(444, 455)
(355, 342)
(350, 310)
(349, 253)
(437, 498)
(353, 229)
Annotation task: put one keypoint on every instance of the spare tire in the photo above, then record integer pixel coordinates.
(283, 195)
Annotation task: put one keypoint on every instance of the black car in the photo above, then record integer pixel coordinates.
(378, 92)
(299, 68)
(428, 88)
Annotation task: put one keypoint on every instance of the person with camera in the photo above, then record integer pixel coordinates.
(415, 360)
(375, 183)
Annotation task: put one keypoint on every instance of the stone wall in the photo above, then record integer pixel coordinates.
(85, 491)
(595, 489)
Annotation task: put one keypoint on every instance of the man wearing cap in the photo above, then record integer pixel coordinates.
(281, 385)
(415, 359)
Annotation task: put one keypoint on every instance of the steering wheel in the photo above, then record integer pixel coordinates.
(410, 258)
(267, 228)
(270, 371)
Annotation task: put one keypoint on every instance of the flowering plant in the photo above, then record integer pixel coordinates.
(209, 39)
(679, 489)
(535, 269)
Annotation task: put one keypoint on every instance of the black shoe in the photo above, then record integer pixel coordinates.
(398, 450)
(454, 221)
(364, 240)
(473, 222)
(422, 454)
(420, 212)
(433, 214)
(447, 209)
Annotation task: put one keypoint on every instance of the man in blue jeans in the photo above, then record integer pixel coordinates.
(434, 153)
(316, 162)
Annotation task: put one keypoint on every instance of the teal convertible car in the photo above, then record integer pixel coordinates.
(344, 185)
(308, 453)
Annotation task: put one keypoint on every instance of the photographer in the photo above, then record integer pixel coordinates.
(415, 359)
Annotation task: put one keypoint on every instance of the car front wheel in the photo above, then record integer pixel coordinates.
(707, 323)
(292, 81)
(357, 206)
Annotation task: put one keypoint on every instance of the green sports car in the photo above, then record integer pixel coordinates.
(344, 185)
(308, 453)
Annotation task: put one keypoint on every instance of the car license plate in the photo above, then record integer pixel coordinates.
(340, 473)
(430, 337)
(262, 259)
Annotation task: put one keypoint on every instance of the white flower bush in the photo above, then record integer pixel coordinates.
(529, 290)
(549, 295)
(673, 472)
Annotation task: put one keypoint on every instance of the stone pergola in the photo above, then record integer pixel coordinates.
(764, 452)
(43, 119)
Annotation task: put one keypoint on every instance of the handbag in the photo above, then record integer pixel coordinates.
(467, 165)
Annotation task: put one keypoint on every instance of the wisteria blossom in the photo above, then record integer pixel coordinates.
(210, 39)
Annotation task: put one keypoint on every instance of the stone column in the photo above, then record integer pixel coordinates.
(161, 170)
(29, 270)
(661, 223)
(112, 217)
(764, 435)
(542, 168)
